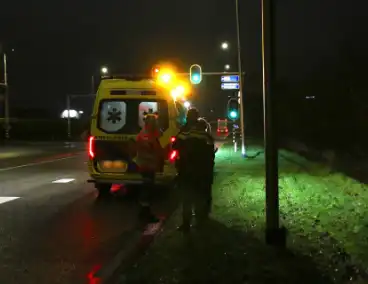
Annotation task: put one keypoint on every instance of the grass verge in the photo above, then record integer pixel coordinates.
(326, 214)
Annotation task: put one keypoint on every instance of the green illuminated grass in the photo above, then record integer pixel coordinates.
(326, 214)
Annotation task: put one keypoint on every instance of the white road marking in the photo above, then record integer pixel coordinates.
(35, 164)
(63, 180)
(4, 199)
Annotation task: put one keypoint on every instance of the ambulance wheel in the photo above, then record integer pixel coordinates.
(104, 189)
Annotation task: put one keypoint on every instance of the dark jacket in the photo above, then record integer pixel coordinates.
(196, 154)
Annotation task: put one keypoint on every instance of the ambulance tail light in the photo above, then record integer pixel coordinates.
(173, 155)
(91, 147)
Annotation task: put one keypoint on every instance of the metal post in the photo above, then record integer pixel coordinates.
(92, 84)
(234, 140)
(274, 234)
(69, 120)
(240, 80)
(6, 99)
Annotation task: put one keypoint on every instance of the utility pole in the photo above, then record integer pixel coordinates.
(243, 150)
(69, 97)
(274, 234)
(69, 123)
(6, 95)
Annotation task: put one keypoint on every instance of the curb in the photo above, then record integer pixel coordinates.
(110, 272)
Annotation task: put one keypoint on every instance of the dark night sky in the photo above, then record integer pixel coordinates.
(59, 46)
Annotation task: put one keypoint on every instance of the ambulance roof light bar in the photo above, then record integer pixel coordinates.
(128, 77)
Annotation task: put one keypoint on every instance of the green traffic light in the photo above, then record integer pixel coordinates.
(233, 114)
(195, 74)
(195, 78)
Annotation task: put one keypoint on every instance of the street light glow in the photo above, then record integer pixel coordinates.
(104, 70)
(187, 104)
(225, 45)
(227, 67)
(71, 113)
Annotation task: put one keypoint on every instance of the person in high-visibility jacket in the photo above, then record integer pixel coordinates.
(209, 175)
(149, 157)
(195, 169)
(149, 160)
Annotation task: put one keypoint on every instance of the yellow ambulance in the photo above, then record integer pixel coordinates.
(117, 118)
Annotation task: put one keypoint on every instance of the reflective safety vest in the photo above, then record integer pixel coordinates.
(149, 151)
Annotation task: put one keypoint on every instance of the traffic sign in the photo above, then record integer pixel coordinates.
(230, 86)
(230, 79)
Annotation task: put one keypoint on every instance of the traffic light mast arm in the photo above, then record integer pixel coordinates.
(211, 73)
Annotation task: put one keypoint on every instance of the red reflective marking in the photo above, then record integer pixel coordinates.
(90, 147)
(173, 155)
(115, 187)
(91, 275)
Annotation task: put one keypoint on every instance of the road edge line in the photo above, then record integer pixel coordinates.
(39, 163)
(110, 272)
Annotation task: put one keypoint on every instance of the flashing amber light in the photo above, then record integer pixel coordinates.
(166, 78)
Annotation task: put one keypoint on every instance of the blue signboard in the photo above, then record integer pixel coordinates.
(230, 86)
(230, 79)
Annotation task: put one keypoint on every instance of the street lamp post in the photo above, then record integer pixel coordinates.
(240, 79)
(103, 71)
(6, 96)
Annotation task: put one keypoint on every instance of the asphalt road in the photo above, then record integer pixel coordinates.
(19, 153)
(53, 229)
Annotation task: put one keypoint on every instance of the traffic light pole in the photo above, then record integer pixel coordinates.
(234, 140)
(274, 234)
(240, 80)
